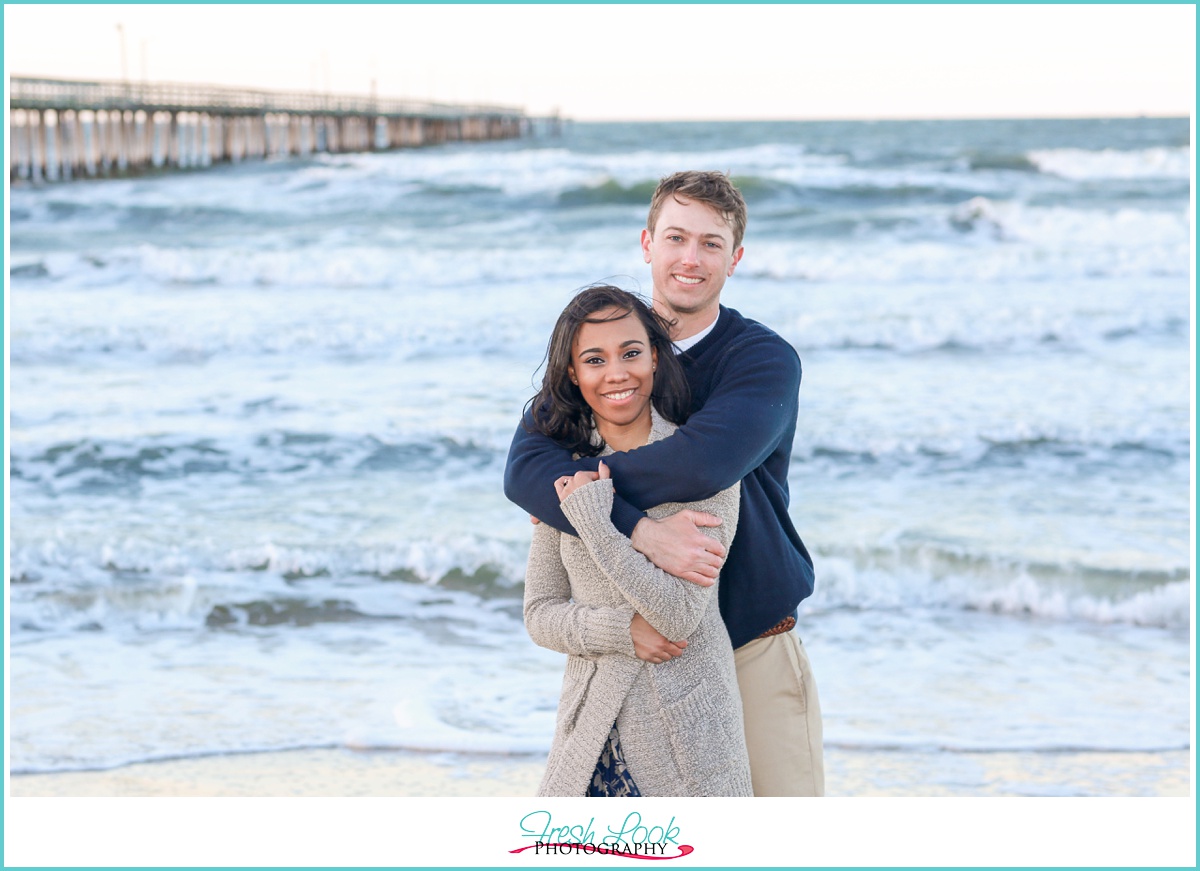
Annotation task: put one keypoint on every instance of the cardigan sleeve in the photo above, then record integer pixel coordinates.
(674, 607)
(557, 623)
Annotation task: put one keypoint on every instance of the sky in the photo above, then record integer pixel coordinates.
(635, 62)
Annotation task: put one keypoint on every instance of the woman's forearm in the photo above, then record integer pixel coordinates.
(674, 607)
(554, 621)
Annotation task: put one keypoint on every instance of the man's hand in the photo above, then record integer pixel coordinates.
(649, 645)
(677, 546)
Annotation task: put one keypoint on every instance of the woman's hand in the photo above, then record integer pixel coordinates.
(649, 644)
(568, 484)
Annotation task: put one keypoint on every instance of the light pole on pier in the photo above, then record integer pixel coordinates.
(124, 62)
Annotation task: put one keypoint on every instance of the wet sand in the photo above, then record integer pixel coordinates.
(338, 772)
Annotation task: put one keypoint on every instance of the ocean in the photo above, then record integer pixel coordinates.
(259, 416)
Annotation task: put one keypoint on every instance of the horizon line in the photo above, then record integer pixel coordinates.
(1181, 116)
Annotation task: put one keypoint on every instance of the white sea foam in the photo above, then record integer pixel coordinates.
(982, 241)
(992, 328)
(1167, 606)
(924, 579)
(133, 583)
(1109, 163)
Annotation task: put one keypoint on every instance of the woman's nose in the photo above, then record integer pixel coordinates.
(617, 372)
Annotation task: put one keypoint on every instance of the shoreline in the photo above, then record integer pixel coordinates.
(330, 773)
(339, 772)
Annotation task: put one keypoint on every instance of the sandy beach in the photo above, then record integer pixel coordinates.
(337, 772)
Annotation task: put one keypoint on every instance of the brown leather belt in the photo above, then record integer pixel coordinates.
(784, 625)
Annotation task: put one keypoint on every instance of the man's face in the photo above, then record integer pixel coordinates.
(690, 253)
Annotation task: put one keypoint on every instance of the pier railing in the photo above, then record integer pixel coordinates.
(31, 93)
(63, 129)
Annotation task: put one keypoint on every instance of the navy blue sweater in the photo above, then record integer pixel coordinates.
(745, 382)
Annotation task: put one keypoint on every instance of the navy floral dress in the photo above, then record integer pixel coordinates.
(612, 778)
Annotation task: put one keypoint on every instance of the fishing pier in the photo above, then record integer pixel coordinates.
(61, 130)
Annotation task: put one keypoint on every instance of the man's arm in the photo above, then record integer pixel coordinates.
(751, 407)
(675, 544)
(535, 462)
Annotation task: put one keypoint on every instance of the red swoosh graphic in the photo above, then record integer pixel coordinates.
(684, 850)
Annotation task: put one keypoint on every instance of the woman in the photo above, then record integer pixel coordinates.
(672, 726)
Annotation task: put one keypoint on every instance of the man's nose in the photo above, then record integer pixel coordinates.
(691, 253)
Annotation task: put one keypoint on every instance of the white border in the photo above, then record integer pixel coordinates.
(341, 832)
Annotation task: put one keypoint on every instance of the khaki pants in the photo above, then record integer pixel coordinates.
(782, 716)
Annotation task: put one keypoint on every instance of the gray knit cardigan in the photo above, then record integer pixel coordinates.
(680, 721)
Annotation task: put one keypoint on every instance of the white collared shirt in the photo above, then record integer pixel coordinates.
(682, 345)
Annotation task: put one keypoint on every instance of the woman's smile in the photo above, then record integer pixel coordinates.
(618, 397)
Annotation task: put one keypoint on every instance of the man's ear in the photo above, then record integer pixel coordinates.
(733, 263)
(647, 238)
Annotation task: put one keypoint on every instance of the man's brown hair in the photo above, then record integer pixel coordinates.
(714, 189)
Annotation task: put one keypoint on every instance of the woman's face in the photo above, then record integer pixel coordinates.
(613, 363)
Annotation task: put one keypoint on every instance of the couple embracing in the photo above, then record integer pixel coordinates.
(655, 457)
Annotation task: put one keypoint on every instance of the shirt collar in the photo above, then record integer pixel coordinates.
(691, 341)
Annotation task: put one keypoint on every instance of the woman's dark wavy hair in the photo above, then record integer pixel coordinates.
(558, 409)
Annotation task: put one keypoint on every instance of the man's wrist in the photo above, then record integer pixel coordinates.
(638, 537)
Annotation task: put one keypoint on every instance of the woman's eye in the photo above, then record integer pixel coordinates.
(593, 361)
(631, 353)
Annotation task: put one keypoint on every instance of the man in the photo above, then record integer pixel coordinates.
(745, 383)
